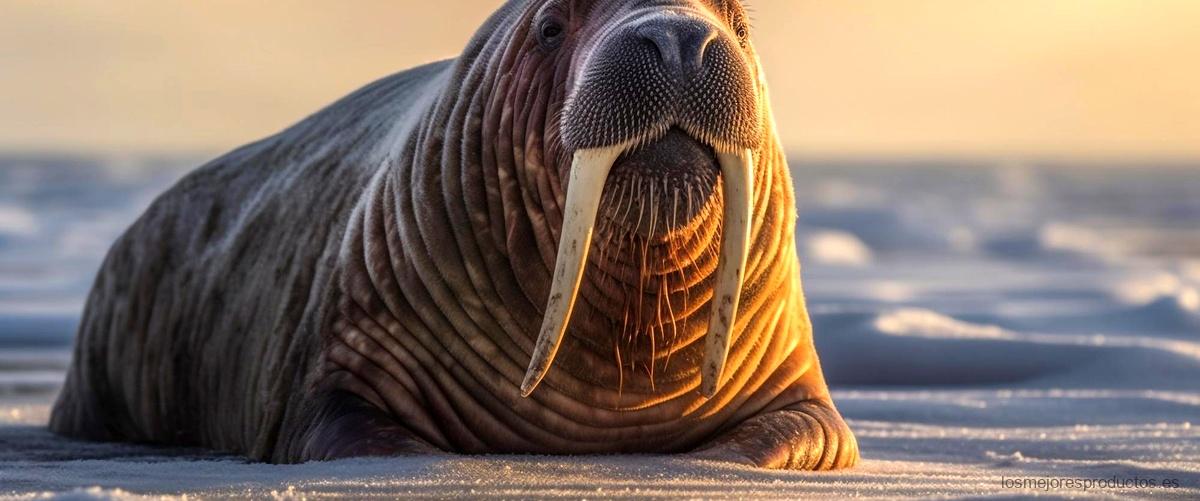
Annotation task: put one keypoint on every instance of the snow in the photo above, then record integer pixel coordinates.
(989, 331)
(918, 443)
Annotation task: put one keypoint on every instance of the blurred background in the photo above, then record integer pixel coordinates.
(1095, 78)
(999, 174)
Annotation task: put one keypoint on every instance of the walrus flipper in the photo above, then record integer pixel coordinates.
(807, 436)
(348, 426)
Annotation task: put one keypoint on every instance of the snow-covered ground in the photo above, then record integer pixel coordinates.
(998, 330)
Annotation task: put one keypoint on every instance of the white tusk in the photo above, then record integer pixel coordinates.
(737, 172)
(589, 170)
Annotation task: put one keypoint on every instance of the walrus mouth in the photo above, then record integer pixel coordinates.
(589, 171)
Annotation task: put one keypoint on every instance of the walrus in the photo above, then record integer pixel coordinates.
(577, 237)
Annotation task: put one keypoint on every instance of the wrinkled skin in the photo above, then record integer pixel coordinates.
(372, 280)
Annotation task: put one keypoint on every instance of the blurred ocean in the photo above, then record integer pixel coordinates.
(58, 216)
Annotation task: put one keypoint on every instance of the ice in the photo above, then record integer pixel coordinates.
(978, 323)
(17, 221)
(836, 248)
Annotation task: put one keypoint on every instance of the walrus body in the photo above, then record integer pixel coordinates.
(373, 280)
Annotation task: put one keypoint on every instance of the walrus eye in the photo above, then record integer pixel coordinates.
(743, 33)
(550, 33)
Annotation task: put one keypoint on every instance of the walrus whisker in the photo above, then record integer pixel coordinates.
(641, 283)
(658, 297)
(620, 369)
(682, 277)
(625, 289)
(737, 171)
(589, 171)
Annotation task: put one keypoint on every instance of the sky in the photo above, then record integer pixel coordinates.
(1063, 78)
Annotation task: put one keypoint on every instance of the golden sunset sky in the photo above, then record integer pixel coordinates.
(1068, 78)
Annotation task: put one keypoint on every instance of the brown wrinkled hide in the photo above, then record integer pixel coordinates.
(377, 274)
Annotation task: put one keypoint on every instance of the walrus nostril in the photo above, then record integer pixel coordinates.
(681, 43)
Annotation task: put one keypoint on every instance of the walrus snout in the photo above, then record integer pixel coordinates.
(653, 68)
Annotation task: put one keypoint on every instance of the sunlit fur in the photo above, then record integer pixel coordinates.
(397, 248)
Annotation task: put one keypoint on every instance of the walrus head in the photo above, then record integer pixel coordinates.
(662, 111)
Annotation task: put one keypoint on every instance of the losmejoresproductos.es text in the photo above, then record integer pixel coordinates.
(1069, 483)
